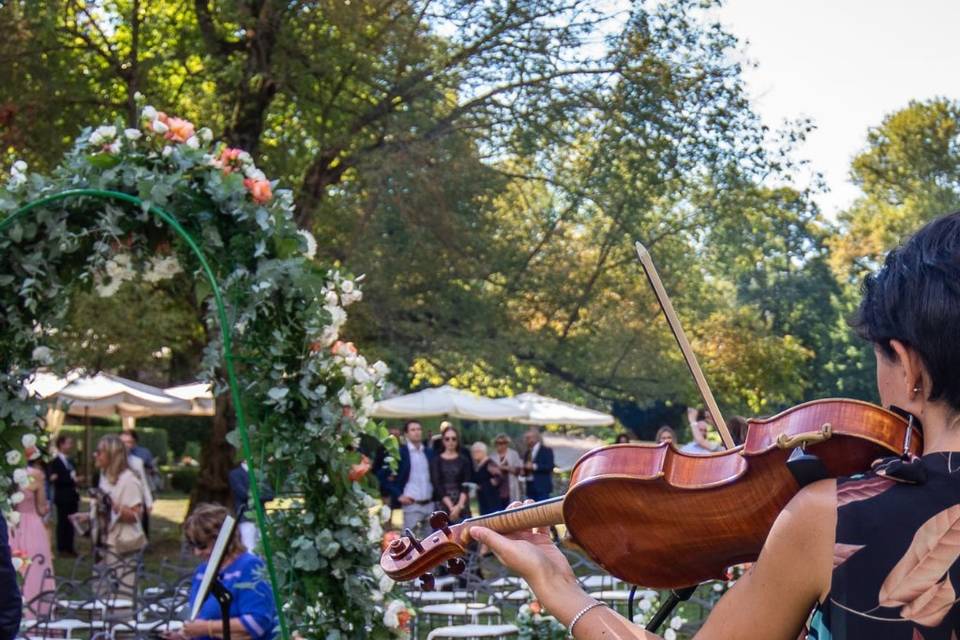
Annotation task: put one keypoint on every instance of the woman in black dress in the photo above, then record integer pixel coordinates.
(448, 473)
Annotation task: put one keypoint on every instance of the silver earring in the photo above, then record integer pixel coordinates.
(916, 389)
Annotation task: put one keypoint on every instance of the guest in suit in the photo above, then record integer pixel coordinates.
(239, 480)
(538, 463)
(63, 477)
(10, 602)
(410, 487)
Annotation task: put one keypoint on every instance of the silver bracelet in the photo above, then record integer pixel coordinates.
(582, 613)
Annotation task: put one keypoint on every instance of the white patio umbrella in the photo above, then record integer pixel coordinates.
(198, 394)
(545, 410)
(447, 401)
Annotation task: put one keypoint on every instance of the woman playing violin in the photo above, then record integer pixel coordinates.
(868, 557)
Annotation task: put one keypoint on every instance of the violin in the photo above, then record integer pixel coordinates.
(655, 516)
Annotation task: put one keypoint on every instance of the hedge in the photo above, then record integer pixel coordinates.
(150, 437)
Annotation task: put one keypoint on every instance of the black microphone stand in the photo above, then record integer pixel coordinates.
(223, 597)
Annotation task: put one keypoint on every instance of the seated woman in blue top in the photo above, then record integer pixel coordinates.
(253, 615)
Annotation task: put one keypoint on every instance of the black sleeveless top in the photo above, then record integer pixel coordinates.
(896, 573)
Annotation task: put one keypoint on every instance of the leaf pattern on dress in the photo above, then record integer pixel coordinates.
(933, 604)
(934, 548)
(862, 489)
(842, 552)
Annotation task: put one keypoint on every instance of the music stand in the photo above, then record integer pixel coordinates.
(211, 585)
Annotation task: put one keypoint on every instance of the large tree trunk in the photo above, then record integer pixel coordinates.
(216, 458)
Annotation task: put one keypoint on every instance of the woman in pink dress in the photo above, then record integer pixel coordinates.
(29, 540)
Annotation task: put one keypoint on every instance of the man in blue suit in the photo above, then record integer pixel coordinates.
(538, 463)
(10, 603)
(410, 488)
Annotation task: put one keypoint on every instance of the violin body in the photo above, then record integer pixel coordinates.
(658, 517)
(655, 516)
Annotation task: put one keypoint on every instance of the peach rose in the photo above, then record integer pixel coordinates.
(259, 190)
(535, 607)
(228, 157)
(403, 618)
(388, 537)
(341, 348)
(360, 469)
(179, 129)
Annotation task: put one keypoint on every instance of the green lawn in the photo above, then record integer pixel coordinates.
(169, 512)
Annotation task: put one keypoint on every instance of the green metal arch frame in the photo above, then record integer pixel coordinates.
(227, 353)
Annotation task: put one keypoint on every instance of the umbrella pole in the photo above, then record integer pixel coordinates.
(87, 444)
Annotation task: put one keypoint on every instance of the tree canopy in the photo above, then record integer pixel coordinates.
(488, 163)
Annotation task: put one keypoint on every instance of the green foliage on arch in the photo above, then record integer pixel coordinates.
(305, 394)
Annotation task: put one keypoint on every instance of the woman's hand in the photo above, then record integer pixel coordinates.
(529, 553)
(196, 628)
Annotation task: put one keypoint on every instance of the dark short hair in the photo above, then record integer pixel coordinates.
(133, 434)
(63, 437)
(406, 425)
(915, 298)
(701, 414)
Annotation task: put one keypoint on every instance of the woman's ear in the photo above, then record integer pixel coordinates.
(911, 365)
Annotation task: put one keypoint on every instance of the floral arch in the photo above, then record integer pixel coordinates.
(164, 198)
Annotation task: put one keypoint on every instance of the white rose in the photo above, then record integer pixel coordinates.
(243, 157)
(102, 134)
(13, 457)
(331, 298)
(344, 398)
(329, 336)
(42, 355)
(167, 150)
(193, 143)
(28, 440)
(386, 584)
(253, 173)
(354, 296)
(149, 113)
(676, 622)
(374, 532)
(311, 251)
(205, 134)
(361, 375)
(645, 605)
(669, 634)
(19, 166)
(159, 126)
(337, 316)
(114, 147)
(132, 134)
(390, 615)
(346, 286)
(380, 368)
(367, 403)
(17, 497)
(21, 477)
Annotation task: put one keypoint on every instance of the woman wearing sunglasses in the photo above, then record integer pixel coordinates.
(448, 473)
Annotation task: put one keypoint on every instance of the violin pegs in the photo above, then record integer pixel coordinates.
(440, 521)
(399, 548)
(413, 540)
(427, 582)
(456, 566)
